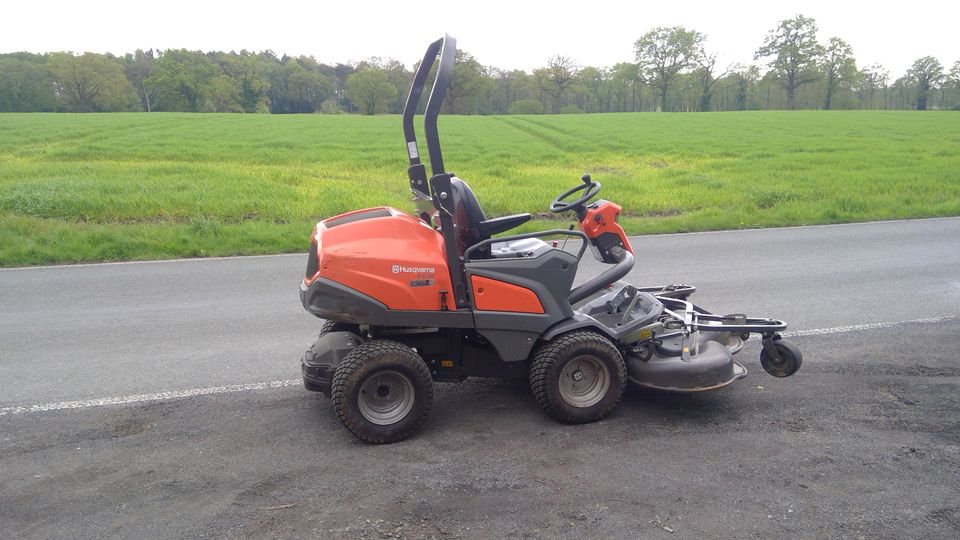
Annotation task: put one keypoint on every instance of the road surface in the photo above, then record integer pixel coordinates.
(160, 398)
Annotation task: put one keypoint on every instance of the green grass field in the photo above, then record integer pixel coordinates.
(143, 186)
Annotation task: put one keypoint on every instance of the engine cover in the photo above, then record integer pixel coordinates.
(386, 254)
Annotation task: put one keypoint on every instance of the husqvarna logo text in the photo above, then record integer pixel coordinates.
(401, 269)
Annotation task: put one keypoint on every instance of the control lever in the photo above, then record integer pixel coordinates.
(565, 238)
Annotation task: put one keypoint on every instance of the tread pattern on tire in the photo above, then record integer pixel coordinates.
(351, 370)
(545, 361)
(327, 326)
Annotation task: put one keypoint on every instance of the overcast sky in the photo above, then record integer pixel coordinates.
(505, 34)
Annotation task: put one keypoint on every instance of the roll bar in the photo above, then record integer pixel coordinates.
(446, 47)
(440, 180)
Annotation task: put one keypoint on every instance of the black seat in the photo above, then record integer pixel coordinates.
(472, 224)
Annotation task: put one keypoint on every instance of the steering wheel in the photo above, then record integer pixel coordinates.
(590, 189)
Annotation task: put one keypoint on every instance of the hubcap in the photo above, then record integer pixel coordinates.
(386, 397)
(584, 381)
(777, 363)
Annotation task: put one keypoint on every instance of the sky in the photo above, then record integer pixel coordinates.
(505, 34)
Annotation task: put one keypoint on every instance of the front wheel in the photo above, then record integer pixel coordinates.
(789, 362)
(382, 391)
(578, 377)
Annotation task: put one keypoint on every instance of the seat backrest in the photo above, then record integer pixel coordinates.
(467, 215)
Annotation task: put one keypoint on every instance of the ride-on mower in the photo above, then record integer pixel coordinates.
(413, 299)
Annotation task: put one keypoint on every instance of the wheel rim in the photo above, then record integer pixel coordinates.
(386, 397)
(584, 381)
(780, 364)
(783, 363)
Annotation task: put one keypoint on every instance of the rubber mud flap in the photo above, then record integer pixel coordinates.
(321, 359)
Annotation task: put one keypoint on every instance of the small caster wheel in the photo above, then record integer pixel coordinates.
(789, 362)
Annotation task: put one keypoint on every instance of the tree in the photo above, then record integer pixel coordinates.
(137, 67)
(925, 73)
(526, 106)
(794, 48)
(839, 67)
(370, 90)
(746, 80)
(664, 52)
(248, 74)
(298, 85)
(90, 82)
(627, 75)
(181, 80)
(340, 73)
(397, 75)
(953, 80)
(901, 95)
(468, 81)
(220, 94)
(706, 65)
(307, 90)
(509, 87)
(593, 81)
(556, 79)
(872, 78)
(25, 84)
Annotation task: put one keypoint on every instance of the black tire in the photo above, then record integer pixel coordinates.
(790, 359)
(334, 326)
(596, 359)
(310, 354)
(382, 391)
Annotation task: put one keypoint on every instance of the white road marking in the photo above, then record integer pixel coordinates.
(161, 396)
(871, 326)
(229, 389)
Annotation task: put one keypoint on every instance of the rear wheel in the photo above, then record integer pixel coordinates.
(382, 391)
(334, 326)
(578, 377)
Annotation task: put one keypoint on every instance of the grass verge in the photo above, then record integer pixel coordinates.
(77, 188)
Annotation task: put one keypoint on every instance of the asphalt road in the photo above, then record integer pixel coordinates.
(864, 441)
(91, 331)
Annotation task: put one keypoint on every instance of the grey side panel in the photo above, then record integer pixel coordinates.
(330, 300)
(512, 334)
(511, 346)
(577, 322)
(461, 318)
(549, 276)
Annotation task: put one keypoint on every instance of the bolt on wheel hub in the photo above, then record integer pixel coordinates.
(585, 381)
(386, 397)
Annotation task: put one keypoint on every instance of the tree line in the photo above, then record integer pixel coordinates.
(673, 69)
